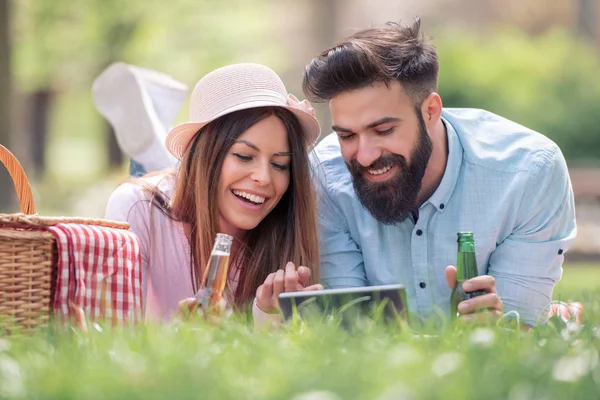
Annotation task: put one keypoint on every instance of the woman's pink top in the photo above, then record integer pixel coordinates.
(165, 249)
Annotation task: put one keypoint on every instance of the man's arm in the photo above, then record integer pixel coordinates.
(341, 258)
(528, 263)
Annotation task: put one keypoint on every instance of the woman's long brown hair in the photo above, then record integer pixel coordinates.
(287, 233)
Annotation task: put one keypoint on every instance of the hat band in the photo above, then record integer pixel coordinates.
(218, 107)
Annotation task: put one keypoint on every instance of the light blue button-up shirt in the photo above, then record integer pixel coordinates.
(505, 183)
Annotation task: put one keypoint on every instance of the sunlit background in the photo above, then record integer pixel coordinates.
(534, 61)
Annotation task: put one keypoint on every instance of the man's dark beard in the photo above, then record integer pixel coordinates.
(392, 201)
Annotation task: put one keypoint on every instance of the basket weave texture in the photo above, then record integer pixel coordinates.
(28, 256)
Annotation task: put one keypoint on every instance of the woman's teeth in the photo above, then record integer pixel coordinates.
(253, 198)
(380, 171)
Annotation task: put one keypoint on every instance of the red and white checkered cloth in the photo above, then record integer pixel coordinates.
(99, 272)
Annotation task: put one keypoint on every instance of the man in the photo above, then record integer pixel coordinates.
(400, 176)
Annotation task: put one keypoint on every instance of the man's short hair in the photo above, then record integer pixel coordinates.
(371, 56)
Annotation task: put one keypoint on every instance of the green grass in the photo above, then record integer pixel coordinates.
(578, 279)
(313, 360)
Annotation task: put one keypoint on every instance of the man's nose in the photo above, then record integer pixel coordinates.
(368, 152)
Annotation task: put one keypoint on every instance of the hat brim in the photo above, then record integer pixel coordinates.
(180, 136)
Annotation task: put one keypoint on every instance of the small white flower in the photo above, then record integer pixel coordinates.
(11, 382)
(446, 363)
(398, 391)
(317, 395)
(483, 337)
(403, 354)
(573, 367)
(4, 345)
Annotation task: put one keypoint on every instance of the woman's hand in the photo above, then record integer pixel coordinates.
(190, 307)
(284, 280)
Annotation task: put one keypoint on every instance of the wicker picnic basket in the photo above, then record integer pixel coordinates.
(28, 255)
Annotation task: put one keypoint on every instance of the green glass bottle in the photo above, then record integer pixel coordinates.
(466, 268)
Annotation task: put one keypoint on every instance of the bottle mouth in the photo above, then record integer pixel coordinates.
(464, 237)
(222, 237)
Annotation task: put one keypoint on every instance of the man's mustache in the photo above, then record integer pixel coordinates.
(384, 161)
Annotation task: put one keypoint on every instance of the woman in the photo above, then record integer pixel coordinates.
(244, 171)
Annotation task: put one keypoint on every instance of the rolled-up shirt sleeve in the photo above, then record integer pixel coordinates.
(528, 263)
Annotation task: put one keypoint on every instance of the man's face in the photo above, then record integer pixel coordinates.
(386, 146)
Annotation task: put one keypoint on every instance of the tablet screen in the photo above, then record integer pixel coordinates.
(387, 302)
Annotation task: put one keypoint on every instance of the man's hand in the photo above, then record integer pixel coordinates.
(489, 305)
(284, 280)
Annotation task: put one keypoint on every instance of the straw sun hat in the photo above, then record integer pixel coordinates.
(233, 88)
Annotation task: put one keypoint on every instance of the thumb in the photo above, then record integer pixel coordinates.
(451, 276)
(316, 286)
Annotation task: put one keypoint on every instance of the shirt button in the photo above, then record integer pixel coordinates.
(419, 232)
(422, 285)
(442, 206)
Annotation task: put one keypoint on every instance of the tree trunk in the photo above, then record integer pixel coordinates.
(586, 19)
(7, 192)
(325, 32)
(115, 155)
(40, 116)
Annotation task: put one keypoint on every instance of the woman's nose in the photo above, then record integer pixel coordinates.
(261, 174)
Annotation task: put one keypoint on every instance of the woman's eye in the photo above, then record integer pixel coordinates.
(243, 157)
(280, 167)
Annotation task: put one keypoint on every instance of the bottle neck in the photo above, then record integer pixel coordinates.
(466, 247)
(466, 265)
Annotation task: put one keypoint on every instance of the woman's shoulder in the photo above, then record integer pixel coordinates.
(136, 195)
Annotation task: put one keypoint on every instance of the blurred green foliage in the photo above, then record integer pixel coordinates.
(548, 83)
(65, 45)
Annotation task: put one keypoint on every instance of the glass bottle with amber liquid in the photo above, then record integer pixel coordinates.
(215, 274)
(466, 268)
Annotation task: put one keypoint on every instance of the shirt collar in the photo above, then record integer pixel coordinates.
(442, 194)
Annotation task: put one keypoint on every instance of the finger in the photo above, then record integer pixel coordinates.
(278, 287)
(187, 306)
(482, 282)
(316, 286)
(486, 301)
(451, 276)
(304, 274)
(78, 316)
(482, 318)
(291, 277)
(264, 293)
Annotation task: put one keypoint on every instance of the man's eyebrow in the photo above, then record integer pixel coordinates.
(383, 120)
(340, 129)
(372, 125)
(255, 147)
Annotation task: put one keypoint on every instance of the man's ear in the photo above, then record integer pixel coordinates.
(431, 109)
